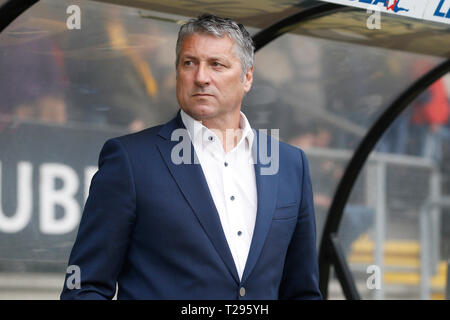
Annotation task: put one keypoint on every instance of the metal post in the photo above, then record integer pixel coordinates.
(429, 227)
(435, 218)
(425, 253)
(380, 224)
(447, 290)
(371, 172)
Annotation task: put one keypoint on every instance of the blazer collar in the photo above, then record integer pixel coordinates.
(167, 129)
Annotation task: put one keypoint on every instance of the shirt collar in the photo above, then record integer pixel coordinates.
(195, 129)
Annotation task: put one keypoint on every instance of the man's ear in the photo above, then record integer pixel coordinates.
(248, 79)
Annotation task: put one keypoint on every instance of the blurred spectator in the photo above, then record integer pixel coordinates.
(265, 108)
(304, 141)
(429, 119)
(117, 79)
(33, 81)
(396, 138)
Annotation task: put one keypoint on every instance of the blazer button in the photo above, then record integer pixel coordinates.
(242, 291)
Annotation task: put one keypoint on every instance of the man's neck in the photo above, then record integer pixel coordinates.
(227, 129)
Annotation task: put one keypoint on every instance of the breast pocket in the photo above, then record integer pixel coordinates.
(286, 211)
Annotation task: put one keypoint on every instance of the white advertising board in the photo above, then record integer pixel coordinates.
(429, 10)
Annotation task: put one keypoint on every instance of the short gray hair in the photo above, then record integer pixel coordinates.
(217, 26)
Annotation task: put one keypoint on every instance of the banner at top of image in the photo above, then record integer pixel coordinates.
(429, 10)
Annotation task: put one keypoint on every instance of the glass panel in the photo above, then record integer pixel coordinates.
(394, 32)
(257, 14)
(64, 92)
(397, 237)
(348, 24)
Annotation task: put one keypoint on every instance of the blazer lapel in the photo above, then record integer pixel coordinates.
(193, 185)
(267, 188)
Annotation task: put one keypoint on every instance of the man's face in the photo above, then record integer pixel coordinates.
(209, 83)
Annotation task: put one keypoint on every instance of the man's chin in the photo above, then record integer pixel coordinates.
(201, 112)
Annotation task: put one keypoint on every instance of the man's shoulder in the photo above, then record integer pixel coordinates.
(151, 134)
(136, 142)
(283, 147)
(292, 154)
(288, 158)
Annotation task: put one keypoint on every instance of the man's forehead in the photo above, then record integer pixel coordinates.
(218, 46)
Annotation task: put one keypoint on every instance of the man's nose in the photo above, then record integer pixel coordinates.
(202, 75)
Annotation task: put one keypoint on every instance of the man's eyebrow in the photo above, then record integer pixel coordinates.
(222, 58)
(187, 56)
(191, 57)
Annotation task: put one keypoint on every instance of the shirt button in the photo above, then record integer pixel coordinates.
(210, 138)
(226, 164)
(242, 291)
(239, 233)
(232, 198)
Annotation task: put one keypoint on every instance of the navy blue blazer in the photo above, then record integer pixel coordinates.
(151, 226)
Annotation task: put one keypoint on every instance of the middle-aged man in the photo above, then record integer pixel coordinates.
(222, 226)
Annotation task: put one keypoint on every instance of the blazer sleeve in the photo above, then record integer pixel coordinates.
(300, 278)
(105, 227)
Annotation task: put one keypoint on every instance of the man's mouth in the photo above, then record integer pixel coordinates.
(202, 95)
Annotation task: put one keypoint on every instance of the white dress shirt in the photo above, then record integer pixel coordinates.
(231, 180)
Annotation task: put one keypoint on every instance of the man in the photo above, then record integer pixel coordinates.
(219, 226)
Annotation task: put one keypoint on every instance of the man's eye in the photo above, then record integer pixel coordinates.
(217, 64)
(187, 63)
